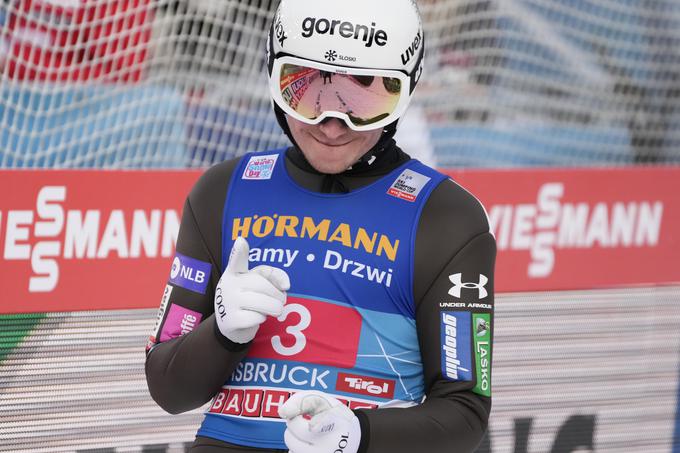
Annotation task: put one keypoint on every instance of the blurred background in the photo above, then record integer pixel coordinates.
(582, 93)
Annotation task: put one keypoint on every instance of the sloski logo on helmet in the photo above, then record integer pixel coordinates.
(331, 55)
(344, 29)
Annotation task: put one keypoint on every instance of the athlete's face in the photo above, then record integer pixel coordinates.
(331, 146)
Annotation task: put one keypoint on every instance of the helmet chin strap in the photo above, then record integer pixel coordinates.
(365, 161)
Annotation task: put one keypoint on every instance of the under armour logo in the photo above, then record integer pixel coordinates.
(457, 280)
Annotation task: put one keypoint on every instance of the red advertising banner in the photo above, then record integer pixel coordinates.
(87, 240)
(581, 229)
(92, 240)
(78, 40)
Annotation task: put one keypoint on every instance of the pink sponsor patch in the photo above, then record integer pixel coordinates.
(179, 321)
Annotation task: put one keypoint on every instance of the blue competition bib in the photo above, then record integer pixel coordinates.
(348, 326)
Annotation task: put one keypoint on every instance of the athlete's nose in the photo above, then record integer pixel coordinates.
(333, 128)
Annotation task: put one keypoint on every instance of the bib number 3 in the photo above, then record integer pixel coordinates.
(295, 330)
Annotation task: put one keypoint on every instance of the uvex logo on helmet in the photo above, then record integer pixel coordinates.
(412, 49)
(344, 29)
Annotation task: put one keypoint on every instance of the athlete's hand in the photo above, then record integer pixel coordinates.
(244, 298)
(319, 423)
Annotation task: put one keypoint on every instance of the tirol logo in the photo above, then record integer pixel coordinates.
(482, 342)
(549, 225)
(365, 385)
(412, 49)
(344, 29)
(260, 167)
(456, 354)
(458, 285)
(190, 273)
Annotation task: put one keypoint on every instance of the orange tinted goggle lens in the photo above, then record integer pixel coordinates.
(365, 99)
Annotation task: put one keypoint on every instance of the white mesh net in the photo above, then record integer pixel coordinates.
(143, 84)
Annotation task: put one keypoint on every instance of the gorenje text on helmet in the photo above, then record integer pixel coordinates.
(345, 29)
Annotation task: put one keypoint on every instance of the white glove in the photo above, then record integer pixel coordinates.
(244, 298)
(319, 423)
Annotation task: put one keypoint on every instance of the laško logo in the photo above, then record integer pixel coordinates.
(344, 29)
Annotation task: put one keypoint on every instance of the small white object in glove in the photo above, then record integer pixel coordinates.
(244, 298)
(319, 423)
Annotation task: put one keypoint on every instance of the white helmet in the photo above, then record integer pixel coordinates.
(355, 37)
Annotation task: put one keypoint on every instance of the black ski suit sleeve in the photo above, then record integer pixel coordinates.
(453, 237)
(183, 373)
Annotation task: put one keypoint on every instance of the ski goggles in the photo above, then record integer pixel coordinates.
(365, 99)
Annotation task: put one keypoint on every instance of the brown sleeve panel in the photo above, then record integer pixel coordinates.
(185, 372)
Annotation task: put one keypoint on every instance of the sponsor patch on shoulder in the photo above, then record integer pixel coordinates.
(482, 341)
(408, 185)
(180, 321)
(190, 273)
(260, 167)
(456, 350)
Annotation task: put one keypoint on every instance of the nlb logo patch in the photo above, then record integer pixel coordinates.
(458, 285)
(456, 352)
(408, 185)
(260, 167)
(189, 273)
(365, 385)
